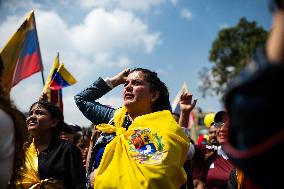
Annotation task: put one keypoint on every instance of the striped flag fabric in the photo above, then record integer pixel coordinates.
(54, 96)
(62, 78)
(21, 55)
(176, 106)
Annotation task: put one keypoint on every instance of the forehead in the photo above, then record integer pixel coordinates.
(37, 107)
(135, 75)
(212, 128)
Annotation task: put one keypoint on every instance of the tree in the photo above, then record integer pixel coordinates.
(230, 52)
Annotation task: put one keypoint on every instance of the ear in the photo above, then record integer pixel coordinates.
(155, 96)
(54, 122)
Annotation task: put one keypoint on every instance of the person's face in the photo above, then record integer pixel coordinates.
(222, 134)
(137, 93)
(40, 120)
(213, 135)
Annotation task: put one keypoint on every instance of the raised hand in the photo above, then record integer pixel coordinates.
(186, 103)
(120, 78)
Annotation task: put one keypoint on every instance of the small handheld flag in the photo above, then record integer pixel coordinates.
(175, 104)
(62, 78)
(54, 96)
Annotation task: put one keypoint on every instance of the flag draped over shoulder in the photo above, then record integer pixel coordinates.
(54, 96)
(21, 55)
(150, 154)
(62, 78)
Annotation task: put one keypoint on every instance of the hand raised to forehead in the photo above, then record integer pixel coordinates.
(120, 78)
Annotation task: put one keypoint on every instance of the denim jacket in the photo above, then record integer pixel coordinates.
(97, 113)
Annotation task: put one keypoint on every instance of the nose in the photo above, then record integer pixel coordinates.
(31, 116)
(128, 87)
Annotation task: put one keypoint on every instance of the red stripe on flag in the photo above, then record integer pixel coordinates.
(56, 98)
(26, 67)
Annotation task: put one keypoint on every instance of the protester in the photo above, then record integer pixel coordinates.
(212, 135)
(211, 165)
(83, 144)
(70, 133)
(13, 132)
(51, 161)
(255, 104)
(149, 148)
(186, 105)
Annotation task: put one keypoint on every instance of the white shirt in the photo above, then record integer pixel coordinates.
(7, 148)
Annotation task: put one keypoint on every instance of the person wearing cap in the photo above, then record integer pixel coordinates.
(70, 133)
(211, 165)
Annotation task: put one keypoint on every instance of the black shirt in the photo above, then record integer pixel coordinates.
(62, 161)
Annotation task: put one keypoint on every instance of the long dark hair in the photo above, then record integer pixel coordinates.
(20, 130)
(163, 101)
(55, 112)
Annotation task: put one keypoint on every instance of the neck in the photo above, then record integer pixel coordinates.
(133, 114)
(42, 141)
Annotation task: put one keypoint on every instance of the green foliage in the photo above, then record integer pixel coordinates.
(230, 52)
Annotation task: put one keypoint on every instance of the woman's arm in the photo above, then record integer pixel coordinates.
(86, 102)
(186, 106)
(275, 43)
(86, 99)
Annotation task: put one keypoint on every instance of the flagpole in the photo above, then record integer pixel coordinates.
(37, 41)
(42, 77)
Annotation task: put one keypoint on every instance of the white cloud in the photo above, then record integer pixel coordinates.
(174, 2)
(113, 101)
(110, 60)
(72, 113)
(185, 13)
(102, 41)
(104, 31)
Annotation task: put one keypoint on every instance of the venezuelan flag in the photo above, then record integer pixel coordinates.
(54, 96)
(62, 78)
(21, 55)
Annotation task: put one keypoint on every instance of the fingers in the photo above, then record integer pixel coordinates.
(186, 97)
(124, 72)
(43, 97)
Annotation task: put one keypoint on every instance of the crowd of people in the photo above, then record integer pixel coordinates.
(143, 144)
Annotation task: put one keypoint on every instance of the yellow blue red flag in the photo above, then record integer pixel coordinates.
(21, 55)
(54, 96)
(62, 78)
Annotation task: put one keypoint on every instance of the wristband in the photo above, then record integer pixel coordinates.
(108, 82)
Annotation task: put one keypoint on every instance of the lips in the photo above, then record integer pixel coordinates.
(128, 96)
(32, 123)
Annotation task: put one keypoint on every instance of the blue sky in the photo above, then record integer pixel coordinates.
(102, 37)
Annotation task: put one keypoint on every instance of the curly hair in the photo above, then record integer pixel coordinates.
(162, 102)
